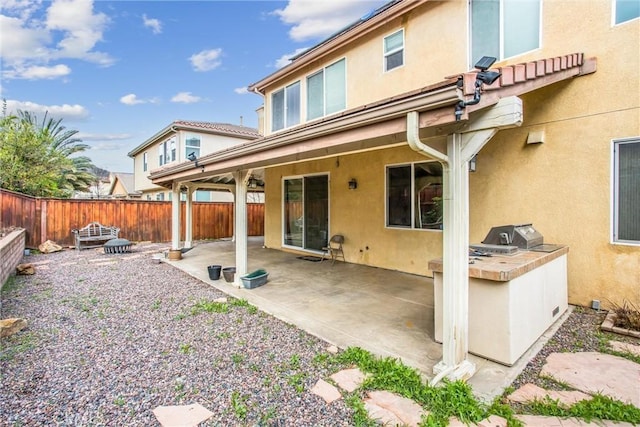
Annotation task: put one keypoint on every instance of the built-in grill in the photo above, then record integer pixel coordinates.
(508, 239)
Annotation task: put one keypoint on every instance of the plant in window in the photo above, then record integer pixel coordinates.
(434, 215)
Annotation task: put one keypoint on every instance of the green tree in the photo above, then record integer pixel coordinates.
(41, 158)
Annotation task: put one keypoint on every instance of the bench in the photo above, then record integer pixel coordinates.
(94, 235)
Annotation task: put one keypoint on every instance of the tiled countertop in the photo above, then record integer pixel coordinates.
(502, 268)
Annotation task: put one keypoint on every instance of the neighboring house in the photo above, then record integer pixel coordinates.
(99, 189)
(357, 130)
(122, 185)
(175, 143)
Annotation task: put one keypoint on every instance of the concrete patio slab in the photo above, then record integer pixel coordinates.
(388, 313)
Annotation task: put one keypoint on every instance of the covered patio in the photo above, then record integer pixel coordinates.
(389, 313)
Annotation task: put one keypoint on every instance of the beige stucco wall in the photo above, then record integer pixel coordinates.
(425, 61)
(563, 186)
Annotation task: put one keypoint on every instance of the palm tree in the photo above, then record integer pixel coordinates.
(42, 158)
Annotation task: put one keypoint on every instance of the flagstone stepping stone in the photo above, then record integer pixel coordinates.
(349, 379)
(182, 415)
(531, 392)
(625, 347)
(393, 410)
(326, 391)
(594, 372)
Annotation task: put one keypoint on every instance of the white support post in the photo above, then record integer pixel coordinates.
(241, 225)
(188, 226)
(175, 216)
(455, 287)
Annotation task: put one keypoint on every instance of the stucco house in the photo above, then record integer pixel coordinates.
(122, 186)
(368, 133)
(174, 144)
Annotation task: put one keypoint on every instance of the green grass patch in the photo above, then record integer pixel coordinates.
(15, 344)
(206, 306)
(599, 408)
(239, 405)
(12, 284)
(251, 309)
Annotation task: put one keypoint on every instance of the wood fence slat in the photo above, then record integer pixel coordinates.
(139, 220)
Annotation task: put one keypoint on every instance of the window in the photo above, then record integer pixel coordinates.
(192, 145)
(167, 152)
(285, 106)
(394, 50)
(504, 28)
(626, 10)
(414, 196)
(326, 91)
(160, 196)
(626, 192)
(145, 161)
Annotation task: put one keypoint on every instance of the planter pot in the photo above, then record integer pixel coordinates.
(214, 271)
(175, 254)
(229, 273)
(255, 279)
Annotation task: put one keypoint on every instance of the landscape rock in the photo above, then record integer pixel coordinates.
(25, 269)
(49, 247)
(9, 327)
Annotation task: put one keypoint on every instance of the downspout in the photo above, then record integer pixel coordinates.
(413, 138)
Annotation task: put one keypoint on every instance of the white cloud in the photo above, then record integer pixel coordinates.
(70, 30)
(206, 60)
(131, 99)
(186, 98)
(312, 19)
(285, 59)
(153, 23)
(241, 90)
(37, 72)
(103, 137)
(65, 111)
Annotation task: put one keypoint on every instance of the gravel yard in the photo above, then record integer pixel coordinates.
(111, 337)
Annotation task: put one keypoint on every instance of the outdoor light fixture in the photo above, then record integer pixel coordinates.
(353, 184)
(484, 76)
(252, 183)
(192, 156)
(472, 163)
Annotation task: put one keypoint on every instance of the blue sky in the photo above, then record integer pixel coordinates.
(120, 71)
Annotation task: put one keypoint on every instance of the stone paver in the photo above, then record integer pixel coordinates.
(594, 372)
(326, 391)
(182, 415)
(349, 379)
(381, 415)
(625, 347)
(406, 410)
(531, 392)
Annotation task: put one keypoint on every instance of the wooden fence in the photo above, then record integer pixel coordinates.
(138, 220)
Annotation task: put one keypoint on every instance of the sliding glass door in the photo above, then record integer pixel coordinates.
(306, 212)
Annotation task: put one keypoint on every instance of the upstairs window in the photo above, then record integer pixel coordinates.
(326, 91)
(414, 196)
(285, 107)
(192, 145)
(504, 28)
(626, 10)
(145, 161)
(394, 50)
(626, 191)
(167, 152)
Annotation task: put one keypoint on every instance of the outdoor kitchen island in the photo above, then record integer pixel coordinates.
(513, 299)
